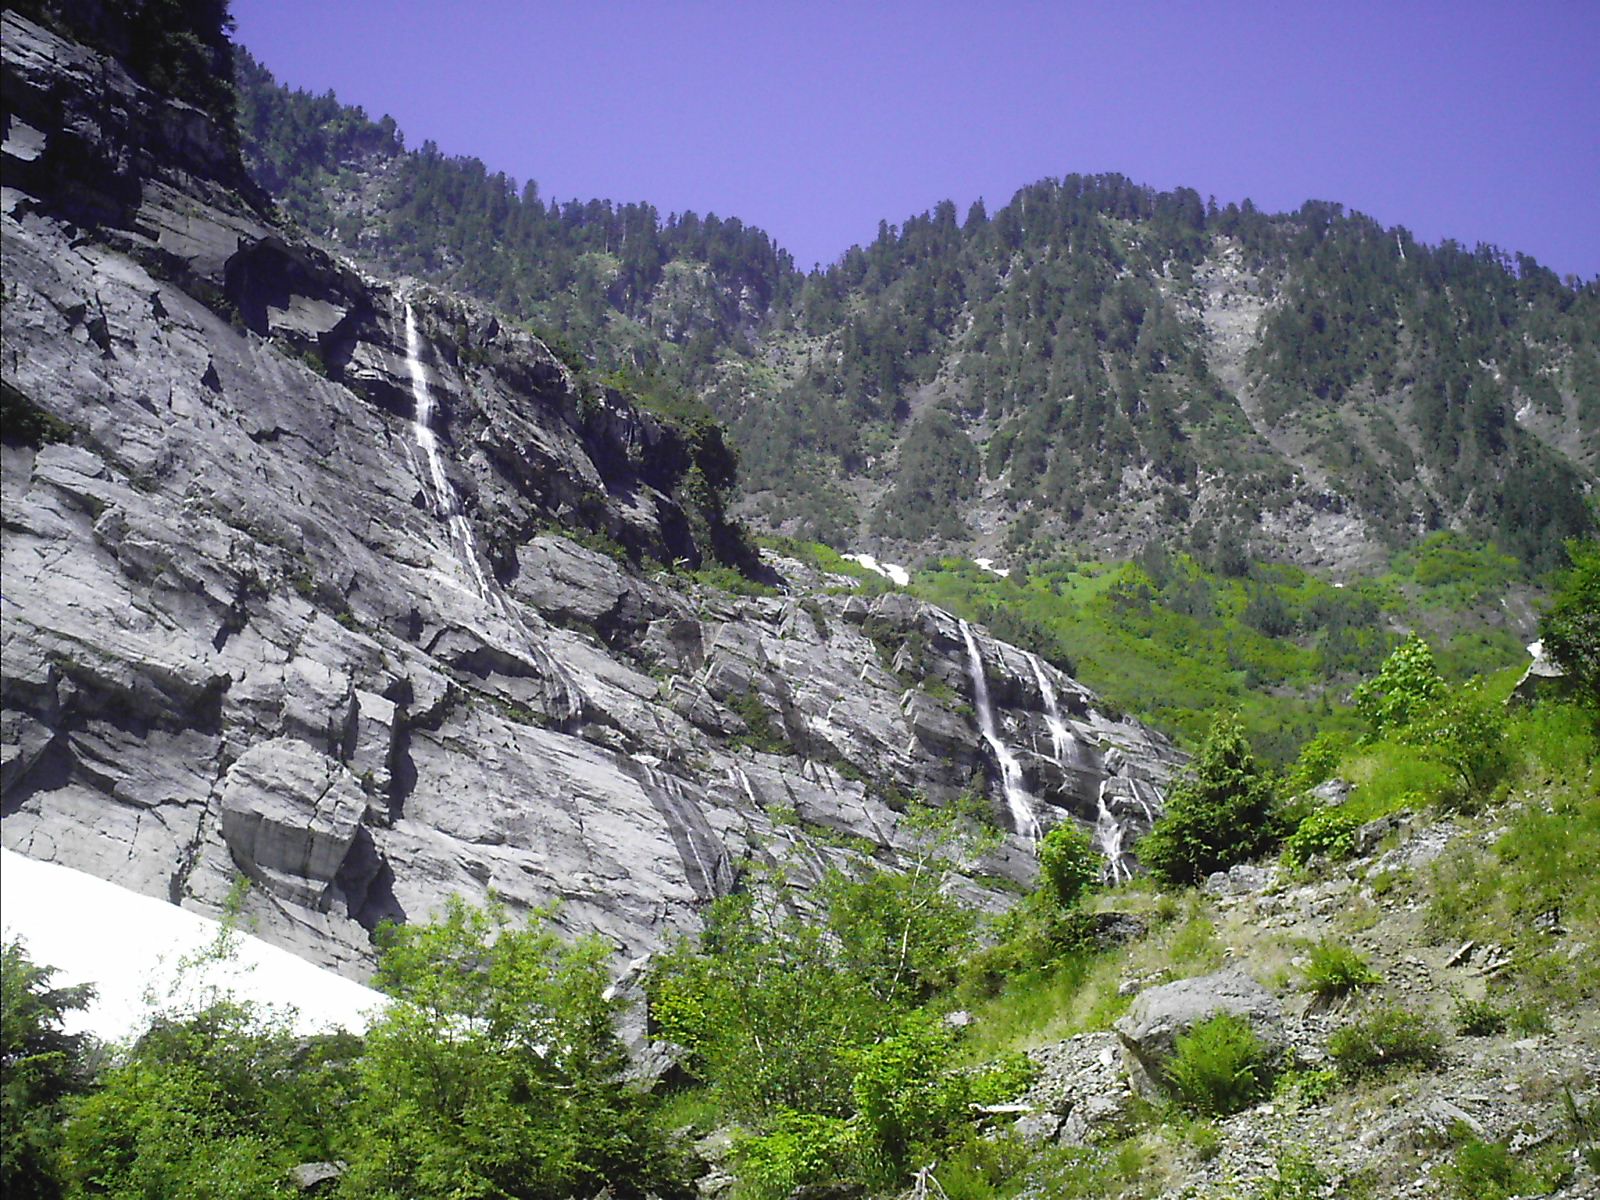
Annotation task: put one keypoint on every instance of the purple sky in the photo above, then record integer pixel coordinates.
(1469, 120)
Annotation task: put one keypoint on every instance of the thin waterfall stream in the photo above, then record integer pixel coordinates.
(1108, 830)
(446, 503)
(1018, 801)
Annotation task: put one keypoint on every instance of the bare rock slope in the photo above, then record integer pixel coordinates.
(288, 591)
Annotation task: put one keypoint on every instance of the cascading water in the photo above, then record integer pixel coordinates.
(1109, 830)
(445, 501)
(1018, 800)
(1061, 739)
(1107, 838)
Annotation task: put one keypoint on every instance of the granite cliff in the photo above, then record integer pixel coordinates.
(300, 583)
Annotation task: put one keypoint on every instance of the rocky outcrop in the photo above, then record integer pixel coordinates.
(251, 631)
(1161, 1015)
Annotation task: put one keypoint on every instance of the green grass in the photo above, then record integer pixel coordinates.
(1334, 971)
(1538, 879)
(1383, 1039)
(1281, 647)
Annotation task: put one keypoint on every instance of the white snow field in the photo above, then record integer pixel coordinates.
(129, 945)
(893, 572)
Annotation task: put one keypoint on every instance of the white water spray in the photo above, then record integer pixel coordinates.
(1061, 739)
(1107, 838)
(1017, 798)
(445, 500)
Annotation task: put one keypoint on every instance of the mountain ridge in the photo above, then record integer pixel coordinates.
(1073, 373)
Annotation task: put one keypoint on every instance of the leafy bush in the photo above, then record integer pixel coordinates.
(1318, 760)
(1330, 832)
(220, 1102)
(1384, 1038)
(1068, 863)
(1221, 812)
(1221, 1067)
(497, 1070)
(1480, 1170)
(1570, 626)
(1335, 970)
(1478, 1018)
(1406, 684)
(796, 1150)
(908, 1094)
(1466, 731)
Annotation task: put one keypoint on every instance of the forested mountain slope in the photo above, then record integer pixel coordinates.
(1094, 365)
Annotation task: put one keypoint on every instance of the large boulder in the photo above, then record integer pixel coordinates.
(1158, 1017)
(289, 816)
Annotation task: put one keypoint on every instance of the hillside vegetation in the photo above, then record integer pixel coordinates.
(1422, 928)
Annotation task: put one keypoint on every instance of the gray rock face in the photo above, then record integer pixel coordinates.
(1151, 1028)
(1079, 1097)
(248, 632)
(289, 817)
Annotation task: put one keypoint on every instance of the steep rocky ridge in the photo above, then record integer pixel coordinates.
(259, 619)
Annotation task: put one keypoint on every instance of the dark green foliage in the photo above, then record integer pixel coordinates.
(1570, 625)
(1384, 1038)
(1222, 811)
(759, 732)
(1221, 1067)
(938, 469)
(40, 1069)
(180, 48)
(23, 423)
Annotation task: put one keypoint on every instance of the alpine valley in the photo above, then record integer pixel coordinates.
(393, 559)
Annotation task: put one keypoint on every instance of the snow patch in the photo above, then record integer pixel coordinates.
(128, 946)
(987, 564)
(892, 572)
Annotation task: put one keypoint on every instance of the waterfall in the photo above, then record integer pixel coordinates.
(445, 500)
(1017, 798)
(1061, 739)
(1108, 833)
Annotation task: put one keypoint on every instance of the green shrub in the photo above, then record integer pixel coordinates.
(1570, 626)
(1221, 812)
(1330, 832)
(1221, 1067)
(1466, 732)
(1405, 686)
(1478, 1018)
(1383, 1038)
(1480, 1170)
(798, 1149)
(1335, 970)
(1319, 759)
(1068, 863)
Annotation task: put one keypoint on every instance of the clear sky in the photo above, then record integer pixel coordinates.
(1464, 119)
